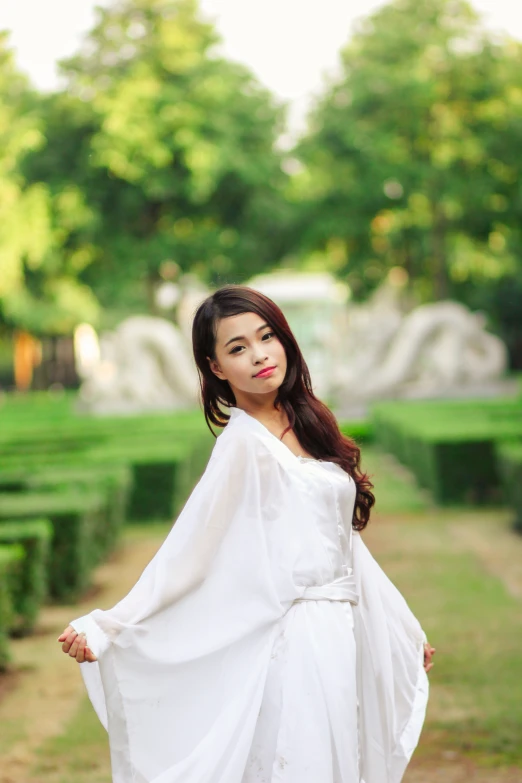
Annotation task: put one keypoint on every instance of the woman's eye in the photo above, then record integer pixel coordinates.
(238, 347)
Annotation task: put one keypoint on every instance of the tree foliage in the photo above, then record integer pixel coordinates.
(175, 151)
(39, 289)
(412, 158)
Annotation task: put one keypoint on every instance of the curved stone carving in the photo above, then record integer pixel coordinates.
(145, 365)
(434, 348)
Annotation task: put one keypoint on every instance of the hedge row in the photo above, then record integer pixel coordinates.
(11, 559)
(450, 446)
(31, 587)
(76, 519)
(112, 482)
(160, 473)
(509, 457)
(360, 430)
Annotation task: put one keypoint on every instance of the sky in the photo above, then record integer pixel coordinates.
(289, 44)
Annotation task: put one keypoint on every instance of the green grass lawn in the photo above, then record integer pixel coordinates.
(80, 754)
(475, 707)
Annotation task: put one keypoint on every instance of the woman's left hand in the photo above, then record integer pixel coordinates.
(429, 651)
(75, 645)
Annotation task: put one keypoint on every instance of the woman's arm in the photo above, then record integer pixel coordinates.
(186, 556)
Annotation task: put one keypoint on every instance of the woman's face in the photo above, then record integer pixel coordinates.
(246, 346)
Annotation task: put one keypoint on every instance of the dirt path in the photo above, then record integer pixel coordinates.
(48, 685)
(499, 550)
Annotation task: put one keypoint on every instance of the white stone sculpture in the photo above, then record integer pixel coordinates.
(386, 347)
(434, 350)
(145, 365)
(356, 353)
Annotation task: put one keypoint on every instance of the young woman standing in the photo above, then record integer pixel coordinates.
(262, 643)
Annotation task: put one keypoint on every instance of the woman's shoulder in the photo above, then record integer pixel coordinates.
(246, 438)
(240, 435)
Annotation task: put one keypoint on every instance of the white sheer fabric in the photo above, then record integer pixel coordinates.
(263, 643)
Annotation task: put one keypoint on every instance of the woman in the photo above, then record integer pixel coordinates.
(262, 643)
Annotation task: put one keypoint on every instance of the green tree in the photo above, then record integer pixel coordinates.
(412, 156)
(39, 289)
(174, 152)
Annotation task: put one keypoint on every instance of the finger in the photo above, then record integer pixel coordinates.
(74, 646)
(80, 654)
(69, 639)
(65, 633)
(89, 655)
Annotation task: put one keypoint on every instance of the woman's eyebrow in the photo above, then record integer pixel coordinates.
(242, 337)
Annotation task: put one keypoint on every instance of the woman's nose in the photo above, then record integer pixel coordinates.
(259, 355)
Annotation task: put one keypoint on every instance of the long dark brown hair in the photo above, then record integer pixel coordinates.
(314, 424)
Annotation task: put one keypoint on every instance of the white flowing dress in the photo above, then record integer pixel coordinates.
(263, 643)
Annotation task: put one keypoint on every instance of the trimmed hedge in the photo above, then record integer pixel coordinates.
(509, 456)
(162, 483)
(82, 431)
(361, 430)
(75, 518)
(112, 481)
(154, 474)
(450, 445)
(165, 466)
(11, 559)
(163, 471)
(30, 591)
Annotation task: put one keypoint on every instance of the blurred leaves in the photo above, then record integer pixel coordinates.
(61, 303)
(415, 147)
(178, 151)
(25, 232)
(38, 286)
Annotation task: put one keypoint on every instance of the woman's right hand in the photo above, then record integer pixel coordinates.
(75, 645)
(429, 652)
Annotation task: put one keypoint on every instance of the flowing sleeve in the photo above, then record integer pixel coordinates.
(182, 658)
(392, 683)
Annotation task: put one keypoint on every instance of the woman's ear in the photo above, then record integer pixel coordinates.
(214, 366)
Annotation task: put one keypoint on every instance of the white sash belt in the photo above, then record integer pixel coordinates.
(342, 589)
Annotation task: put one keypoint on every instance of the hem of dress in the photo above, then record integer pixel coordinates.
(410, 734)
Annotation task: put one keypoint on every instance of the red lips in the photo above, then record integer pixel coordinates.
(264, 371)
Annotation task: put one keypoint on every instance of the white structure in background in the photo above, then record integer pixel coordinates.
(145, 365)
(385, 348)
(439, 349)
(315, 307)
